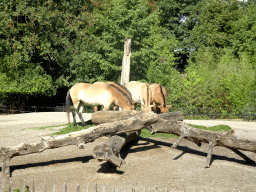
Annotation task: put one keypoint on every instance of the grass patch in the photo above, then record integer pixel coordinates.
(48, 127)
(71, 128)
(219, 128)
(147, 134)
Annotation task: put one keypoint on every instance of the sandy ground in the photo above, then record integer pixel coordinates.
(150, 164)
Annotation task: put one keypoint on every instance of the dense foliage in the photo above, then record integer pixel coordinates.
(203, 52)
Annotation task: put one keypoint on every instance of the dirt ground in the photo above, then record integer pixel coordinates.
(150, 164)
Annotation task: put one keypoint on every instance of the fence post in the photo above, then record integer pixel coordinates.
(65, 187)
(11, 185)
(5, 164)
(33, 186)
(3, 184)
(78, 188)
(22, 185)
(125, 75)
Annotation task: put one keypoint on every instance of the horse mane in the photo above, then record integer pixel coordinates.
(148, 93)
(161, 88)
(121, 89)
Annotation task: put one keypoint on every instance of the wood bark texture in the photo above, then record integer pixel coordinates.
(110, 150)
(79, 138)
(101, 117)
(125, 75)
(172, 123)
(199, 136)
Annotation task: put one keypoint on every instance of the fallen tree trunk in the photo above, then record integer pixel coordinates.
(172, 123)
(199, 136)
(78, 138)
(101, 117)
(110, 150)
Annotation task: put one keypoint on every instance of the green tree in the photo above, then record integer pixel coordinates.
(115, 21)
(216, 23)
(218, 80)
(245, 33)
(180, 17)
(38, 40)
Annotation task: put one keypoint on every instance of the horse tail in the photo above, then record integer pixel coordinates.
(67, 104)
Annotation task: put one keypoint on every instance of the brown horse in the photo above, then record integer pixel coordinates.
(159, 98)
(120, 88)
(140, 93)
(95, 94)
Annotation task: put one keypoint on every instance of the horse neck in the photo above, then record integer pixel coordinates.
(121, 99)
(162, 93)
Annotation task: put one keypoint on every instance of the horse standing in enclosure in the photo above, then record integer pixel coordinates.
(120, 88)
(159, 98)
(95, 94)
(140, 93)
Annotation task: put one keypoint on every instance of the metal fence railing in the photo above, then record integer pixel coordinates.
(88, 187)
(188, 113)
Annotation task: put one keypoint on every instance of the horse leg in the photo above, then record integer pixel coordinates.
(135, 105)
(80, 114)
(75, 105)
(106, 108)
(97, 108)
(74, 116)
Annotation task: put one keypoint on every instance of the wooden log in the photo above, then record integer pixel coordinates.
(199, 136)
(78, 138)
(101, 117)
(110, 150)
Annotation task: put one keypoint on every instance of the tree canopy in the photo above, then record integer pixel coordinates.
(203, 52)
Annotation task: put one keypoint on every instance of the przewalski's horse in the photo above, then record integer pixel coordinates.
(140, 93)
(159, 98)
(120, 88)
(95, 94)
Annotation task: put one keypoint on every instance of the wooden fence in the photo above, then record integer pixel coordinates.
(9, 187)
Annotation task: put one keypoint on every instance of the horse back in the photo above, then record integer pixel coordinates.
(139, 91)
(94, 94)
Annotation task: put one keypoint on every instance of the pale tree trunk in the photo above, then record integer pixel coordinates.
(79, 138)
(125, 75)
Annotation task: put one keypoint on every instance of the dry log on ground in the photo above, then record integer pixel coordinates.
(199, 136)
(172, 123)
(78, 138)
(101, 117)
(110, 150)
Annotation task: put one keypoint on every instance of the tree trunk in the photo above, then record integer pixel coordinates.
(172, 123)
(101, 117)
(110, 150)
(79, 138)
(125, 75)
(199, 136)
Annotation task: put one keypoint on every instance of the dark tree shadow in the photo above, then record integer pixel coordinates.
(108, 167)
(85, 159)
(185, 149)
